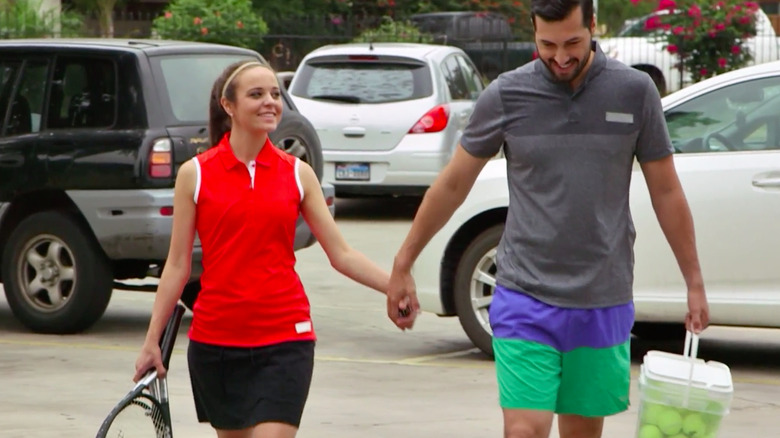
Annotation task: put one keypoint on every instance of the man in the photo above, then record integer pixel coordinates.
(571, 124)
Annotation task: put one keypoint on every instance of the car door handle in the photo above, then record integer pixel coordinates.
(767, 179)
(354, 131)
(767, 182)
(11, 160)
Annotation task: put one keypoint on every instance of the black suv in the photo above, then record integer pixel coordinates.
(93, 132)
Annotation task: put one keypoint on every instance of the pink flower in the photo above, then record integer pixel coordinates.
(753, 6)
(720, 26)
(653, 23)
(722, 62)
(239, 24)
(745, 20)
(168, 14)
(678, 30)
(703, 71)
(204, 30)
(736, 50)
(672, 48)
(196, 21)
(667, 4)
(694, 11)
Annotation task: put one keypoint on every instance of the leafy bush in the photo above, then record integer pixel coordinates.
(22, 19)
(231, 22)
(709, 38)
(394, 31)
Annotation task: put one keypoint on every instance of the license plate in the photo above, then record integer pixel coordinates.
(353, 171)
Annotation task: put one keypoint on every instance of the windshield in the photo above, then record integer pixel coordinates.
(188, 80)
(363, 82)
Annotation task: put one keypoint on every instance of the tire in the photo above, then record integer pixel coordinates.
(190, 294)
(296, 136)
(657, 331)
(472, 295)
(50, 253)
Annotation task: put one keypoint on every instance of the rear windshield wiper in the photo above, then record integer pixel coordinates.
(337, 97)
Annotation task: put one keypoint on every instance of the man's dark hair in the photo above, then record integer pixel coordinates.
(558, 10)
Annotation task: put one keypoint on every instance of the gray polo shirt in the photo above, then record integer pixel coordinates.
(569, 236)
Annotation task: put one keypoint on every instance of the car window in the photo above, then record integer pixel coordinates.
(471, 77)
(83, 93)
(8, 70)
(453, 76)
(740, 117)
(188, 80)
(363, 81)
(26, 102)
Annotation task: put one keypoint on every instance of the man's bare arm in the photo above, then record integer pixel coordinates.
(674, 216)
(441, 200)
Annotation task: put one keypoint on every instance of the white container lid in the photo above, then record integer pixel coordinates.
(674, 368)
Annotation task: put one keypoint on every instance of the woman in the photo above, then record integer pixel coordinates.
(251, 350)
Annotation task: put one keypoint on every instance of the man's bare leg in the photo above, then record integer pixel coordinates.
(527, 423)
(575, 426)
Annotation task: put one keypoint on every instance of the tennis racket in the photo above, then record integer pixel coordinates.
(144, 412)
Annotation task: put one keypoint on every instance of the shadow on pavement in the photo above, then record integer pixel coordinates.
(377, 208)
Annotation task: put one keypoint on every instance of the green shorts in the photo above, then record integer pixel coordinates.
(567, 361)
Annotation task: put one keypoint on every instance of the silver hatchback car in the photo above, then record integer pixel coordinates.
(389, 115)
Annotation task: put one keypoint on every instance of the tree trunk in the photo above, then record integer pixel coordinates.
(106, 20)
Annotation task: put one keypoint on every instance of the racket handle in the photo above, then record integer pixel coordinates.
(168, 338)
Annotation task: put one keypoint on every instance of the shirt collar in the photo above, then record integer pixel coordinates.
(229, 159)
(596, 66)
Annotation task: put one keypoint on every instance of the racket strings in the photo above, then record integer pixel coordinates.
(141, 418)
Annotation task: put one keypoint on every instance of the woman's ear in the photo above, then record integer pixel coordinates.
(227, 106)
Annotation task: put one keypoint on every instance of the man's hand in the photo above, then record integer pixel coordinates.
(698, 317)
(402, 304)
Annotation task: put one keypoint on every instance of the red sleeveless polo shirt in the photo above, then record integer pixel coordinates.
(245, 217)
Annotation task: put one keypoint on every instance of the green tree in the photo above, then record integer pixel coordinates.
(613, 13)
(27, 19)
(394, 31)
(231, 22)
(105, 14)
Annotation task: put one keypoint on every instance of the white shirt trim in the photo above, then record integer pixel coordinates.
(197, 179)
(252, 168)
(298, 176)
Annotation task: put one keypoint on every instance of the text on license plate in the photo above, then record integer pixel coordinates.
(353, 171)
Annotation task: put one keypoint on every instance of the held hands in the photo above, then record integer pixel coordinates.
(698, 317)
(402, 304)
(149, 358)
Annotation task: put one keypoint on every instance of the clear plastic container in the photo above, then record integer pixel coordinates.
(682, 396)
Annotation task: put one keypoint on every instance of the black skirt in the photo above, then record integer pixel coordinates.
(236, 388)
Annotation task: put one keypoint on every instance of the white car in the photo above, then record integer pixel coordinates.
(726, 131)
(389, 115)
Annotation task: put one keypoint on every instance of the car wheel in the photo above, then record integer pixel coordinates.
(190, 294)
(475, 283)
(656, 331)
(56, 277)
(297, 137)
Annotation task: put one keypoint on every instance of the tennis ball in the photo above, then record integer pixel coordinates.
(693, 426)
(650, 431)
(650, 412)
(670, 421)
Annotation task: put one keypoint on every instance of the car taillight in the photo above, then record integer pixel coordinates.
(161, 159)
(434, 120)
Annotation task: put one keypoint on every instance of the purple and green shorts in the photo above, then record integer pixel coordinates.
(563, 360)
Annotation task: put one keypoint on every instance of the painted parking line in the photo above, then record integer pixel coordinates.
(443, 360)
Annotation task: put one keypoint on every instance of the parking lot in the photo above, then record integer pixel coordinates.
(370, 379)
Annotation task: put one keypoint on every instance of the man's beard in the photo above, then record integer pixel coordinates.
(581, 63)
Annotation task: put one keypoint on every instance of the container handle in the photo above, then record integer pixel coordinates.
(690, 351)
(691, 344)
